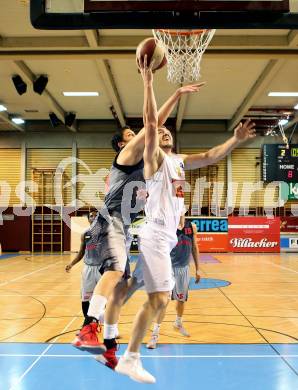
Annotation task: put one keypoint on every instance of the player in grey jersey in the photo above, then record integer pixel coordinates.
(91, 271)
(110, 238)
(93, 267)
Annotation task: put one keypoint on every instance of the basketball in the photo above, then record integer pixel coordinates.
(154, 52)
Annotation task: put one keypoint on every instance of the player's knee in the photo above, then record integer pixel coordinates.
(159, 301)
(120, 292)
(116, 276)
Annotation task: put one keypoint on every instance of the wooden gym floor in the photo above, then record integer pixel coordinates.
(40, 302)
(243, 335)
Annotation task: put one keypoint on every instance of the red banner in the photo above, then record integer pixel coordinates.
(254, 234)
(212, 242)
(289, 224)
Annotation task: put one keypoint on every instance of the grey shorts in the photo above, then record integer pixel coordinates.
(89, 279)
(182, 278)
(109, 243)
(91, 275)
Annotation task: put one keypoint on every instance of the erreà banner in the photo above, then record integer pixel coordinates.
(212, 233)
(254, 234)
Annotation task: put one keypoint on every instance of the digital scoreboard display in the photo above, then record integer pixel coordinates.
(280, 163)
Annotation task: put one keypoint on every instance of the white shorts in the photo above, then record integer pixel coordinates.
(155, 244)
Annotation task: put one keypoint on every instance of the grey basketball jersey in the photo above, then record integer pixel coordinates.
(90, 256)
(122, 191)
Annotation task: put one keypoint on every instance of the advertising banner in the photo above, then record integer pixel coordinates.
(289, 243)
(288, 191)
(254, 234)
(289, 224)
(212, 233)
(216, 242)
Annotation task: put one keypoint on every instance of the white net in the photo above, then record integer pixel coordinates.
(278, 130)
(184, 50)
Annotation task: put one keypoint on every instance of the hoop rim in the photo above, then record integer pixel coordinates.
(181, 32)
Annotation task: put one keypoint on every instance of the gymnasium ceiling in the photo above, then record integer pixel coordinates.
(240, 68)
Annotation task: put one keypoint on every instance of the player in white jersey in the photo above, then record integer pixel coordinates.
(164, 174)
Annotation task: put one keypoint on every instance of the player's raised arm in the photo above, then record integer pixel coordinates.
(243, 132)
(133, 151)
(166, 109)
(150, 119)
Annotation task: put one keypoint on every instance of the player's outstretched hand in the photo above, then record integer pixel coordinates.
(146, 70)
(190, 88)
(198, 278)
(68, 267)
(245, 131)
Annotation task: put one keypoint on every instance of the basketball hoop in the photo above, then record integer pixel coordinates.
(274, 133)
(184, 50)
(283, 136)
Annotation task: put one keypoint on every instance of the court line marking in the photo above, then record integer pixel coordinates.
(148, 356)
(19, 380)
(30, 273)
(281, 266)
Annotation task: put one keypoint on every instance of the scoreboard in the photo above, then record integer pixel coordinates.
(280, 163)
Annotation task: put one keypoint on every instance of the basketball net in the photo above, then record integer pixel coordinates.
(273, 133)
(184, 50)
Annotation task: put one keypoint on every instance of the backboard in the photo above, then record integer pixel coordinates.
(187, 14)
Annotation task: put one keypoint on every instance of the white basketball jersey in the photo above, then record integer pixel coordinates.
(165, 201)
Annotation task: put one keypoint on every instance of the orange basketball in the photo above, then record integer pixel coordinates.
(154, 51)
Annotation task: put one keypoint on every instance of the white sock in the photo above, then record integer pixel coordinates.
(101, 318)
(132, 355)
(117, 331)
(178, 320)
(110, 331)
(97, 306)
(156, 328)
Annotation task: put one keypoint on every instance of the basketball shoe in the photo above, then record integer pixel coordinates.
(132, 367)
(152, 344)
(180, 328)
(87, 340)
(108, 358)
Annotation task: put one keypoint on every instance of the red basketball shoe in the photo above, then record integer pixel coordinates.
(108, 358)
(87, 340)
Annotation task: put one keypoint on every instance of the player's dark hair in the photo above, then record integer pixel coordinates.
(118, 137)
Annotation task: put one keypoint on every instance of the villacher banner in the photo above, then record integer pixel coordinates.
(254, 234)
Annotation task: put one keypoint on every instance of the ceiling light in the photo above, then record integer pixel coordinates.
(69, 119)
(283, 122)
(296, 107)
(19, 84)
(283, 94)
(18, 121)
(80, 93)
(2, 108)
(40, 84)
